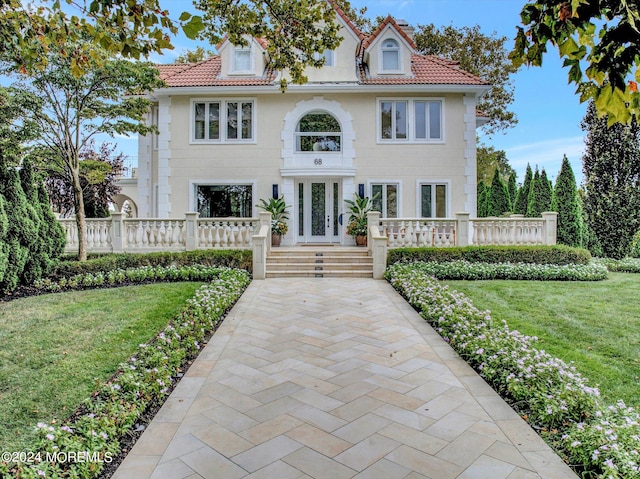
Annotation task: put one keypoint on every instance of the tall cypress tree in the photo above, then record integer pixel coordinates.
(21, 232)
(512, 187)
(52, 228)
(4, 248)
(611, 167)
(532, 209)
(522, 198)
(498, 197)
(540, 195)
(483, 210)
(567, 203)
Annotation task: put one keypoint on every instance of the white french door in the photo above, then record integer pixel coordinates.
(317, 210)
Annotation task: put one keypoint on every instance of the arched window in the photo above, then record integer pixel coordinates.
(390, 55)
(318, 131)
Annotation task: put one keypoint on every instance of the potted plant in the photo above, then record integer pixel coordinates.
(358, 209)
(279, 214)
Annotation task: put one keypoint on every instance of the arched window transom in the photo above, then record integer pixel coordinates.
(390, 55)
(318, 131)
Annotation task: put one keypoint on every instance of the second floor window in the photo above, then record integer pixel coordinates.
(390, 56)
(242, 60)
(318, 131)
(412, 120)
(222, 121)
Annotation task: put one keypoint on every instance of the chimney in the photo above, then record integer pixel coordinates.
(406, 28)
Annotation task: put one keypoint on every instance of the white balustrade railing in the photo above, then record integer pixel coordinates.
(231, 233)
(98, 234)
(418, 232)
(508, 231)
(118, 234)
(156, 234)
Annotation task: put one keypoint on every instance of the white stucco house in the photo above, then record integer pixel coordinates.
(377, 118)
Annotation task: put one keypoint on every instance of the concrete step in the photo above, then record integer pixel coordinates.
(319, 262)
(333, 273)
(320, 259)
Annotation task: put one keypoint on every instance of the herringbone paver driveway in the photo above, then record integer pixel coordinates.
(334, 378)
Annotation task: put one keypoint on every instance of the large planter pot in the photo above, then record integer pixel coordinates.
(276, 239)
(361, 240)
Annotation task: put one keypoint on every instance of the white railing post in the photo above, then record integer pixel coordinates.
(462, 229)
(265, 220)
(261, 243)
(373, 219)
(191, 225)
(117, 232)
(377, 245)
(550, 231)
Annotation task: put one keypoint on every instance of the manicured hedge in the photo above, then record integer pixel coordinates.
(240, 259)
(558, 254)
(466, 270)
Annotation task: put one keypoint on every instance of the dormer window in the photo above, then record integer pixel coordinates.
(242, 60)
(328, 57)
(390, 55)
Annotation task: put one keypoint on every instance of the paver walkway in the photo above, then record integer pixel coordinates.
(334, 378)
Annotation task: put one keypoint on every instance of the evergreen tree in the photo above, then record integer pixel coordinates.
(52, 228)
(512, 187)
(21, 232)
(540, 195)
(4, 249)
(483, 210)
(498, 197)
(567, 203)
(522, 198)
(531, 210)
(611, 167)
(38, 261)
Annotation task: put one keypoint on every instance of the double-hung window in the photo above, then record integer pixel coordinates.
(223, 120)
(433, 200)
(385, 199)
(390, 56)
(411, 120)
(242, 60)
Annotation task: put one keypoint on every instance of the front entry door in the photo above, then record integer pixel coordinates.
(318, 209)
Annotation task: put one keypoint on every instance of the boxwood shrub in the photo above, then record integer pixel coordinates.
(103, 263)
(558, 254)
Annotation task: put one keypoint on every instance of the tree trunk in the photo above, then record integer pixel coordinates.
(80, 217)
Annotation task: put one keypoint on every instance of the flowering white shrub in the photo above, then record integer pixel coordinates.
(626, 265)
(551, 394)
(461, 269)
(142, 380)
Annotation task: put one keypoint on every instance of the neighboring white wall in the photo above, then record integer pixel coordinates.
(164, 178)
(471, 169)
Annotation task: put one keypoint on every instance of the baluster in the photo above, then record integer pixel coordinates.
(169, 234)
(202, 231)
(216, 237)
(104, 234)
(483, 233)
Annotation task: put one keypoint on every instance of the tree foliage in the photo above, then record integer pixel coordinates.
(71, 110)
(512, 188)
(601, 35)
(488, 160)
(99, 170)
(483, 55)
(194, 56)
(567, 203)
(540, 195)
(16, 128)
(611, 167)
(483, 200)
(498, 201)
(522, 199)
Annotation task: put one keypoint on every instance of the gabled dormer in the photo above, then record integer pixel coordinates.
(248, 60)
(388, 50)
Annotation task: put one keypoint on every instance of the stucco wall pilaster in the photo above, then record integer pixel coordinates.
(164, 157)
(470, 171)
(145, 156)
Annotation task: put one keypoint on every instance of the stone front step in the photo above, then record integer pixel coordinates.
(319, 262)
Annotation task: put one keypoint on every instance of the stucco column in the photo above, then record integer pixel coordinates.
(373, 218)
(117, 232)
(265, 220)
(463, 233)
(191, 225)
(550, 232)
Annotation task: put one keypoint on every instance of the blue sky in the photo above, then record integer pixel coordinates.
(548, 110)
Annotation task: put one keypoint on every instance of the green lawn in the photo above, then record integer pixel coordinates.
(55, 348)
(594, 324)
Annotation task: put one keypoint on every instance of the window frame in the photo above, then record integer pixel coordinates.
(300, 134)
(382, 50)
(223, 121)
(329, 58)
(433, 184)
(411, 120)
(234, 61)
(385, 184)
(194, 184)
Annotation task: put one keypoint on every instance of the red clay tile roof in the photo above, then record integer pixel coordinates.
(426, 70)
(207, 73)
(388, 21)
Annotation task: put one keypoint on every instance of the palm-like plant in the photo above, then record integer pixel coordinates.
(358, 209)
(279, 214)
